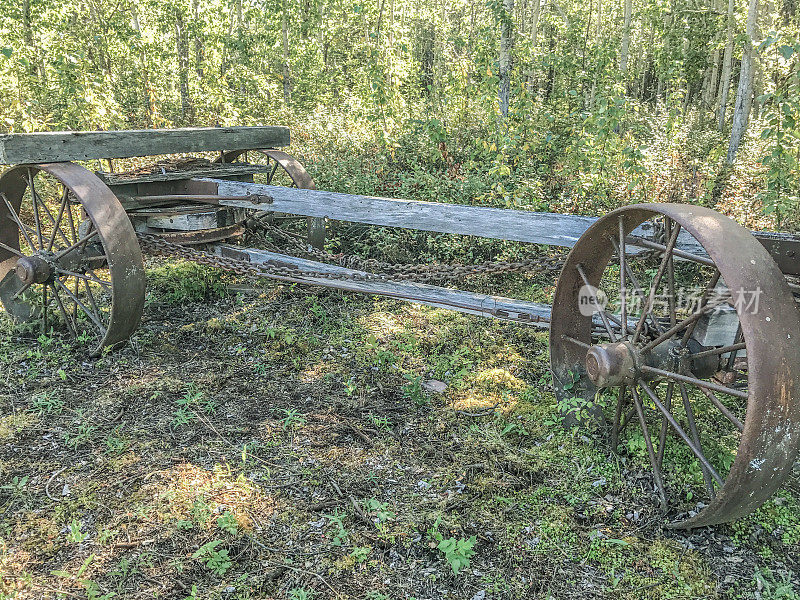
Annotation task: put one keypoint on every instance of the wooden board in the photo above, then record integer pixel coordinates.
(521, 311)
(498, 223)
(63, 146)
(217, 170)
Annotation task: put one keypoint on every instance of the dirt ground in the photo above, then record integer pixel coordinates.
(287, 442)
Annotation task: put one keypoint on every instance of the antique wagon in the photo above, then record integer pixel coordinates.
(71, 243)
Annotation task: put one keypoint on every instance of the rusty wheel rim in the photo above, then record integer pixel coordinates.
(69, 257)
(662, 378)
(283, 168)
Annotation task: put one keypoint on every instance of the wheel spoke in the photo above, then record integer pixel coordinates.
(71, 219)
(77, 301)
(576, 341)
(12, 250)
(645, 243)
(694, 381)
(35, 201)
(615, 429)
(83, 240)
(272, 173)
(687, 407)
(721, 350)
(679, 430)
(105, 284)
(623, 292)
(722, 408)
(603, 316)
(71, 327)
(736, 340)
(56, 222)
(45, 304)
(22, 290)
(712, 284)
(92, 300)
(678, 326)
(638, 288)
(649, 443)
(657, 281)
(662, 435)
(15, 217)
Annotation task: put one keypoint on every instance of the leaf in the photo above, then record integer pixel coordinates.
(786, 51)
(7, 52)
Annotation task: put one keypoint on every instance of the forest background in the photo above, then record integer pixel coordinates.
(568, 106)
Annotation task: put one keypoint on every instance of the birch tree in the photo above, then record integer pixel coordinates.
(744, 94)
(727, 67)
(506, 48)
(626, 39)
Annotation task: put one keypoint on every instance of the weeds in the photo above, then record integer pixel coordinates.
(216, 561)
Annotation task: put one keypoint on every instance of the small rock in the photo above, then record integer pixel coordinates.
(480, 595)
(434, 386)
(65, 490)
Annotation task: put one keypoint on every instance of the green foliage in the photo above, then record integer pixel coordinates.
(47, 402)
(340, 533)
(771, 587)
(457, 551)
(227, 522)
(413, 390)
(292, 419)
(75, 536)
(180, 282)
(216, 561)
(781, 195)
(300, 594)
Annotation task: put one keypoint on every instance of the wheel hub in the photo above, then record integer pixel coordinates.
(33, 269)
(609, 365)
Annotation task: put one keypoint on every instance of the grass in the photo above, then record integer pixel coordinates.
(281, 445)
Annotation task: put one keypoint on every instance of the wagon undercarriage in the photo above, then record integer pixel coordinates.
(720, 366)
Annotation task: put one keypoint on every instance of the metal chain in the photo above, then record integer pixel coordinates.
(157, 245)
(408, 272)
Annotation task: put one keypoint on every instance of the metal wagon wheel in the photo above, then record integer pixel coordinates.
(68, 254)
(285, 170)
(720, 414)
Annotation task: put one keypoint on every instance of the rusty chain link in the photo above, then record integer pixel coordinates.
(409, 272)
(373, 270)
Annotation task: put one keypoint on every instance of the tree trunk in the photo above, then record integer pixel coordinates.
(626, 40)
(287, 76)
(645, 78)
(534, 34)
(744, 95)
(727, 67)
(27, 34)
(597, 31)
(147, 98)
(506, 47)
(182, 49)
(199, 47)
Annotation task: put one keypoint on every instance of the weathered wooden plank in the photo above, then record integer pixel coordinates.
(497, 223)
(62, 146)
(521, 311)
(217, 170)
(523, 226)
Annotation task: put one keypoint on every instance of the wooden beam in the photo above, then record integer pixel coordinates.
(217, 170)
(498, 223)
(64, 146)
(521, 311)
